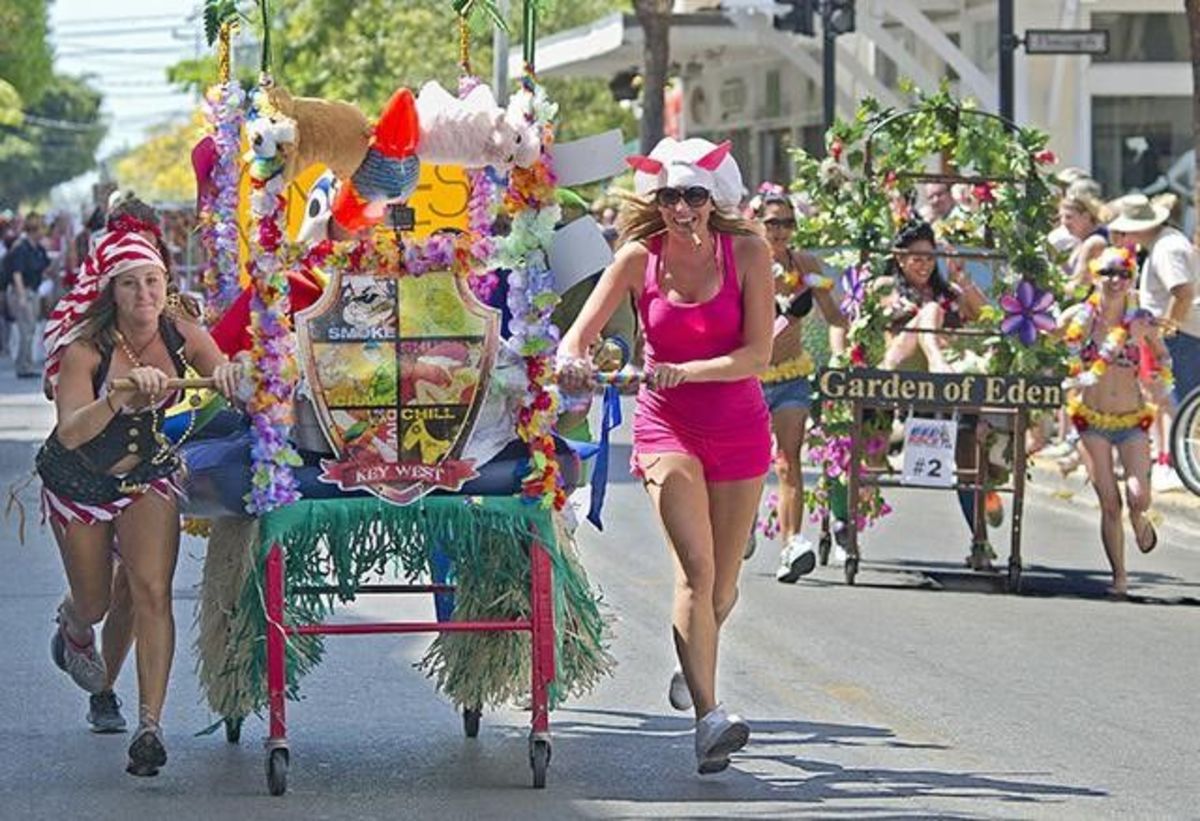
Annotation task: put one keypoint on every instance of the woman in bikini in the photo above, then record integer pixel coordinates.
(798, 287)
(109, 476)
(701, 278)
(1109, 405)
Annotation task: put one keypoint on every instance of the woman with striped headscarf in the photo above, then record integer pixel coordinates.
(109, 476)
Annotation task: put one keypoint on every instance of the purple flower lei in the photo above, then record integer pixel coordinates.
(276, 371)
(219, 220)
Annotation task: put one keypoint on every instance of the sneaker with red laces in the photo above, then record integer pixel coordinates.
(83, 663)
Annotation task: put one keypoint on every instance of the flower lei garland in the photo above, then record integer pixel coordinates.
(378, 254)
(1084, 417)
(530, 201)
(273, 352)
(1076, 335)
(218, 212)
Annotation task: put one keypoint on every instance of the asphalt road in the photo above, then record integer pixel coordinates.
(920, 692)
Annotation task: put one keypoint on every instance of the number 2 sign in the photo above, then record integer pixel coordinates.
(929, 452)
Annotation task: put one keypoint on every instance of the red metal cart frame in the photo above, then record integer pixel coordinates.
(540, 626)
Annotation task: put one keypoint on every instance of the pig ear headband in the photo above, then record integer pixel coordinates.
(687, 163)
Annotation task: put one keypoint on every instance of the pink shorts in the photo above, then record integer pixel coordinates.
(734, 455)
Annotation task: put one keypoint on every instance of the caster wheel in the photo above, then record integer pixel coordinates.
(277, 769)
(233, 729)
(471, 716)
(1014, 578)
(539, 761)
(823, 548)
(851, 568)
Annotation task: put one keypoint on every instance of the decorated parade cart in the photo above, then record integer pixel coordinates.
(963, 429)
(399, 440)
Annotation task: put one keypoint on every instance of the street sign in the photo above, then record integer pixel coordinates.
(1066, 41)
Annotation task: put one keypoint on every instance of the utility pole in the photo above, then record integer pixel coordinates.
(828, 66)
(837, 18)
(1007, 46)
(500, 57)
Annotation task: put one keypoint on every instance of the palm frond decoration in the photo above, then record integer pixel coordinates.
(468, 9)
(217, 14)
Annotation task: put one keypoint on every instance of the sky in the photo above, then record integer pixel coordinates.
(127, 45)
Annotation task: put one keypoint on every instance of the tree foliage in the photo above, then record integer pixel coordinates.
(56, 141)
(362, 50)
(159, 169)
(25, 56)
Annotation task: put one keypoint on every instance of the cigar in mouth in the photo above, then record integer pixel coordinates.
(696, 239)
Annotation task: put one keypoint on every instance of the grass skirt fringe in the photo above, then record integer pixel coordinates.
(345, 542)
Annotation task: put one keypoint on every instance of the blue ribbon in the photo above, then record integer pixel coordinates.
(610, 417)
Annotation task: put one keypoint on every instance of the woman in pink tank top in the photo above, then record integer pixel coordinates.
(701, 278)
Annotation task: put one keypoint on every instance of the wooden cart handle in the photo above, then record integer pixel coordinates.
(206, 382)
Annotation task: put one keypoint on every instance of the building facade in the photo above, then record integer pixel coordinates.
(1126, 115)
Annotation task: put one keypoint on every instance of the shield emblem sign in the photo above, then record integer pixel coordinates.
(398, 368)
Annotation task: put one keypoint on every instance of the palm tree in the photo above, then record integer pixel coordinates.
(1193, 14)
(655, 19)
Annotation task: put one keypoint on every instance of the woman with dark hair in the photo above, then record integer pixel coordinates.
(921, 301)
(701, 278)
(798, 287)
(109, 475)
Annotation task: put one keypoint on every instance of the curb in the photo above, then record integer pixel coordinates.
(1179, 508)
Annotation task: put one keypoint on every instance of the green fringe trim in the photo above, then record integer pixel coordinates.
(344, 542)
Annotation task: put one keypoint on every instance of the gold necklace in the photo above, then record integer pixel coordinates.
(166, 450)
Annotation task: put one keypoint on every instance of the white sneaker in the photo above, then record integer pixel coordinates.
(678, 693)
(1164, 479)
(718, 735)
(798, 559)
(837, 555)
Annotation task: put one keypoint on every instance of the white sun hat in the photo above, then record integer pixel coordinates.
(1136, 213)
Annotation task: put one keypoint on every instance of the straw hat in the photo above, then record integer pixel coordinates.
(1136, 213)
(1068, 175)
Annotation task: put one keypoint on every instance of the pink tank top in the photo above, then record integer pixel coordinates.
(682, 332)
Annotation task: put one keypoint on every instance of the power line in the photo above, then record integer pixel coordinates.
(81, 21)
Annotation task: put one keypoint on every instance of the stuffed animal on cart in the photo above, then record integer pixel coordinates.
(330, 132)
(388, 172)
(474, 131)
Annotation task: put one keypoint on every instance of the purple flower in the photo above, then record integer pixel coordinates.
(854, 286)
(1027, 312)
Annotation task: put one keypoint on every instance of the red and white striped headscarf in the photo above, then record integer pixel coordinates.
(116, 252)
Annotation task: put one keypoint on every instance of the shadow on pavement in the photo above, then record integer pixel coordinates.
(805, 779)
(1036, 581)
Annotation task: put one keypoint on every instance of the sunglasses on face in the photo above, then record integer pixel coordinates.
(779, 222)
(1116, 273)
(694, 196)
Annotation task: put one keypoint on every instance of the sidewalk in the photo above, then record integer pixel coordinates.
(25, 414)
(1177, 510)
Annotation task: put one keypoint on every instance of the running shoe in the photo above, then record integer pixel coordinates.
(798, 559)
(146, 753)
(84, 665)
(678, 693)
(104, 713)
(718, 735)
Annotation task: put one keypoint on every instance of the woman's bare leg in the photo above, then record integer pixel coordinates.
(731, 508)
(1104, 480)
(148, 531)
(788, 427)
(1135, 457)
(117, 636)
(87, 558)
(675, 482)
